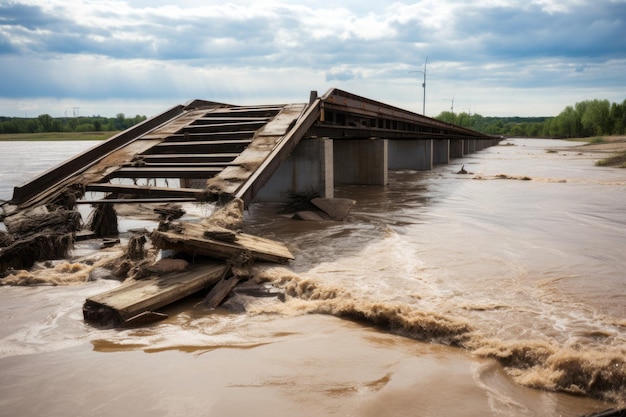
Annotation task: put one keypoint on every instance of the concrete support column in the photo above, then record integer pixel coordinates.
(441, 151)
(414, 154)
(307, 170)
(456, 148)
(466, 146)
(362, 162)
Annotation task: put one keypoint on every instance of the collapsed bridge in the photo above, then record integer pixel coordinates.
(203, 150)
(230, 155)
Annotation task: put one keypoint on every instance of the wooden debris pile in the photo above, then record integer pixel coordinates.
(212, 254)
(37, 235)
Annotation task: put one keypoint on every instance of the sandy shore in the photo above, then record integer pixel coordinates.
(611, 144)
(611, 150)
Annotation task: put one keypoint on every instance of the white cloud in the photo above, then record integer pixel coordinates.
(247, 51)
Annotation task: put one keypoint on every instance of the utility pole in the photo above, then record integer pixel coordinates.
(423, 86)
(452, 100)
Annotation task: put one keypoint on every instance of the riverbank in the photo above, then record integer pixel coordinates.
(613, 145)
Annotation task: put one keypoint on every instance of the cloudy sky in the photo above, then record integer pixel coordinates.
(493, 57)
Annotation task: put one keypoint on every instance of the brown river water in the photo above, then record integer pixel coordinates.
(501, 292)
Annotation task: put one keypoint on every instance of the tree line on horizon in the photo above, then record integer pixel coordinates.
(584, 119)
(45, 123)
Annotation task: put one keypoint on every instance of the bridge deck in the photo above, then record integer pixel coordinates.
(230, 149)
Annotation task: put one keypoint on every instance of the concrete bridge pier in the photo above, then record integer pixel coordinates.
(441, 151)
(361, 162)
(457, 149)
(411, 154)
(307, 170)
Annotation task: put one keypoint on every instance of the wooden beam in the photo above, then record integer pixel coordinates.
(217, 294)
(184, 165)
(249, 111)
(138, 200)
(190, 157)
(143, 190)
(130, 302)
(203, 147)
(171, 172)
(222, 119)
(198, 127)
(279, 153)
(192, 239)
(209, 136)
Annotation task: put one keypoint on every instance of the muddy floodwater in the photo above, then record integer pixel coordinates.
(501, 292)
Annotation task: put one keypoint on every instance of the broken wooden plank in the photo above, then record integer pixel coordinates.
(125, 304)
(220, 233)
(189, 238)
(219, 292)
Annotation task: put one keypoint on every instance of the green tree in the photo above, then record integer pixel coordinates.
(568, 123)
(617, 118)
(46, 122)
(447, 116)
(120, 121)
(595, 119)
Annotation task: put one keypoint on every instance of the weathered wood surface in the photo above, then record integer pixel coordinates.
(192, 240)
(136, 301)
(219, 292)
(266, 140)
(144, 190)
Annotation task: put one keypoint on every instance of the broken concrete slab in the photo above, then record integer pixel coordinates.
(336, 208)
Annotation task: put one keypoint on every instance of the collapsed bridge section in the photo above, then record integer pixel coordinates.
(204, 150)
(159, 159)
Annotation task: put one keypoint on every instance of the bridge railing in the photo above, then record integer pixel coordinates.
(82, 161)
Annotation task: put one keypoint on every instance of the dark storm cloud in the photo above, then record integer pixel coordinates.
(592, 31)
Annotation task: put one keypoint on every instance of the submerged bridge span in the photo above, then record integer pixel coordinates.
(204, 150)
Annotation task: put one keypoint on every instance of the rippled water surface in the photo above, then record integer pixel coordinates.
(500, 292)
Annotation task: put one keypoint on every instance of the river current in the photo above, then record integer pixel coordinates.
(500, 292)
